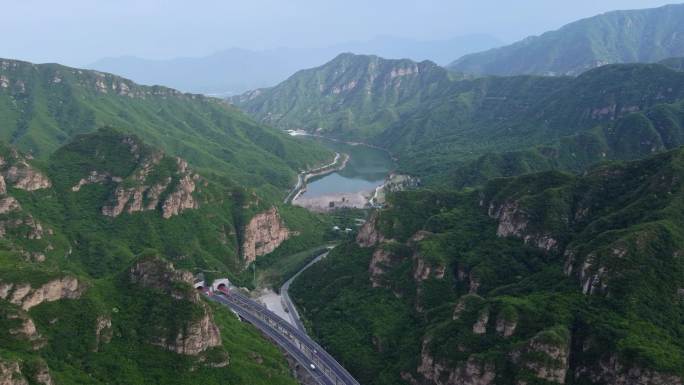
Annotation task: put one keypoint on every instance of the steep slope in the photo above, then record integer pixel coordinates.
(485, 127)
(100, 248)
(644, 36)
(43, 106)
(547, 278)
(352, 96)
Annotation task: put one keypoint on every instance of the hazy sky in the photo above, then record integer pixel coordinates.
(78, 32)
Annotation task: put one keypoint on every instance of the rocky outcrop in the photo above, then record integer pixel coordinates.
(369, 235)
(263, 234)
(423, 269)
(103, 331)
(137, 193)
(610, 370)
(513, 222)
(379, 262)
(23, 328)
(10, 373)
(196, 335)
(9, 204)
(480, 326)
(505, 327)
(24, 295)
(546, 357)
(471, 372)
(18, 173)
(95, 177)
(181, 199)
(41, 374)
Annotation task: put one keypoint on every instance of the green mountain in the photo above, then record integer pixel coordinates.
(43, 106)
(547, 278)
(469, 130)
(639, 36)
(101, 244)
(352, 96)
(114, 200)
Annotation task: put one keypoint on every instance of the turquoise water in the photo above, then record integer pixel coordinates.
(366, 169)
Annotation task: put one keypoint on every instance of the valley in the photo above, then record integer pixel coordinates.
(511, 218)
(353, 184)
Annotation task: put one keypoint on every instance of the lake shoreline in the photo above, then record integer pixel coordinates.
(305, 176)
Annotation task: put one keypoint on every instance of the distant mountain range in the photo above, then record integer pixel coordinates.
(475, 129)
(643, 36)
(236, 70)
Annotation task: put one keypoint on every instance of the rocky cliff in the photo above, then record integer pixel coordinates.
(473, 371)
(158, 182)
(10, 373)
(27, 296)
(263, 234)
(369, 235)
(17, 172)
(198, 333)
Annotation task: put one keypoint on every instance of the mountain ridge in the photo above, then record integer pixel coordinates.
(235, 70)
(648, 35)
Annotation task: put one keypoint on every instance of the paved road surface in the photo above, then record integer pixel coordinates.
(284, 293)
(295, 341)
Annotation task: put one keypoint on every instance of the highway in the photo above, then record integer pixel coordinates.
(295, 341)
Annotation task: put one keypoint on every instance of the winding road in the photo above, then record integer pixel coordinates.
(284, 293)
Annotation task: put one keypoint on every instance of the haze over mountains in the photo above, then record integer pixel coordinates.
(235, 70)
(531, 232)
(644, 36)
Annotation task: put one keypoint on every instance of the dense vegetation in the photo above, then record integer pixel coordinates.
(546, 278)
(466, 131)
(643, 36)
(43, 106)
(59, 231)
(96, 199)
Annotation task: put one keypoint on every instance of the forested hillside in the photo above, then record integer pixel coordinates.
(637, 36)
(547, 278)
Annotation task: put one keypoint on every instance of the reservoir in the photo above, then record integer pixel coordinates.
(366, 169)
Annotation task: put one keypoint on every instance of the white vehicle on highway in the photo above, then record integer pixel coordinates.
(313, 367)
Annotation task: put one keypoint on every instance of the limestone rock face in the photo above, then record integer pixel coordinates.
(103, 331)
(263, 234)
(471, 372)
(95, 177)
(18, 173)
(379, 262)
(9, 204)
(610, 370)
(42, 375)
(24, 328)
(513, 222)
(24, 295)
(480, 326)
(554, 365)
(369, 235)
(198, 334)
(423, 270)
(180, 199)
(197, 337)
(143, 194)
(10, 373)
(505, 327)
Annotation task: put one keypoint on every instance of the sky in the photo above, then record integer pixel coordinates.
(78, 32)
